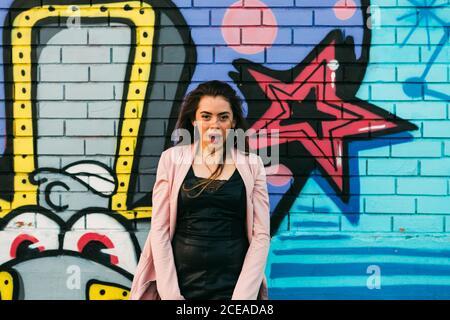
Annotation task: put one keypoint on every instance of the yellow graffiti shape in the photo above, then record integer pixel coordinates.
(102, 291)
(6, 286)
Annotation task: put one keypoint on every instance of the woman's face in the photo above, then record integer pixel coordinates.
(213, 117)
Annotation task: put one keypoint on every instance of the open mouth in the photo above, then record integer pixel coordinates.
(214, 137)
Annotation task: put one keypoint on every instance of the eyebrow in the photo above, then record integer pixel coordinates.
(225, 112)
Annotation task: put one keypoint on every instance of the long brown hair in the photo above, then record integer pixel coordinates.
(188, 110)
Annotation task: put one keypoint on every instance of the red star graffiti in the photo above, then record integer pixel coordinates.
(343, 119)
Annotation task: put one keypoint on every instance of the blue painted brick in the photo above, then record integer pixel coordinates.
(418, 223)
(283, 37)
(196, 17)
(279, 54)
(389, 204)
(422, 185)
(205, 54)
(395, 167)
(308, 4)
(417, 148)
(208, 36)
(292, 17)
(309, 34)
(225, 54)
(368, 223)
(433, 204)
(436, 129)
(435, 167)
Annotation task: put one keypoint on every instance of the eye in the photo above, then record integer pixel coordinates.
(24, 246)
(205, 116)
(103, 238)
(21, 238)
(92, 245)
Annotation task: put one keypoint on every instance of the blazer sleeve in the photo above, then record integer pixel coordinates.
(163, 259)
(252, 273)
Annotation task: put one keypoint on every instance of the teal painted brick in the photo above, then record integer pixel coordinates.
(422, 185)
(314, 222)
(378, 152)
(385, 3)
(389, 204)
(418, 223)
(447, 148)
(390, 92)
(437, 73)
(380, 73)
(421, 110)
(368, 223)
(390, 54)
(435, 167)
(364, 92)
(302, 204)
(324, 204)
(395, 167)
(435, 91)
(447, 224)
(436, 129)
(419, 36)
(375, 185)
(417, 148)
(433, 204)
(385, 36)
(442, 13)
(391, 17)
(442, 57)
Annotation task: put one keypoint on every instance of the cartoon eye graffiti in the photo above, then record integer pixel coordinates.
(96, 246)
(21, 238)
(101, 237)
(23, 244)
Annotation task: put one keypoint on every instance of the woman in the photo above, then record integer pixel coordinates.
(210, 229)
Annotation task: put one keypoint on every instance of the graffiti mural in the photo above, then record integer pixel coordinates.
(356, 89)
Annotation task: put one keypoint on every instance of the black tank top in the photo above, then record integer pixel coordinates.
(210, 241)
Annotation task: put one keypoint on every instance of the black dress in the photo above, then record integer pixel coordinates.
(210, 241)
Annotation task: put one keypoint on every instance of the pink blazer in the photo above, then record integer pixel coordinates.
(155, 277)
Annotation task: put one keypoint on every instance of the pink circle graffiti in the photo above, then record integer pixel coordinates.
(344, 9)
(252, 20)
(278, 175)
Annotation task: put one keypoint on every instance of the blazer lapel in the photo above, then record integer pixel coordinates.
(182, 163)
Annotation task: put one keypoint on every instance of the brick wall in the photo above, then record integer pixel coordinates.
(371, 223)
